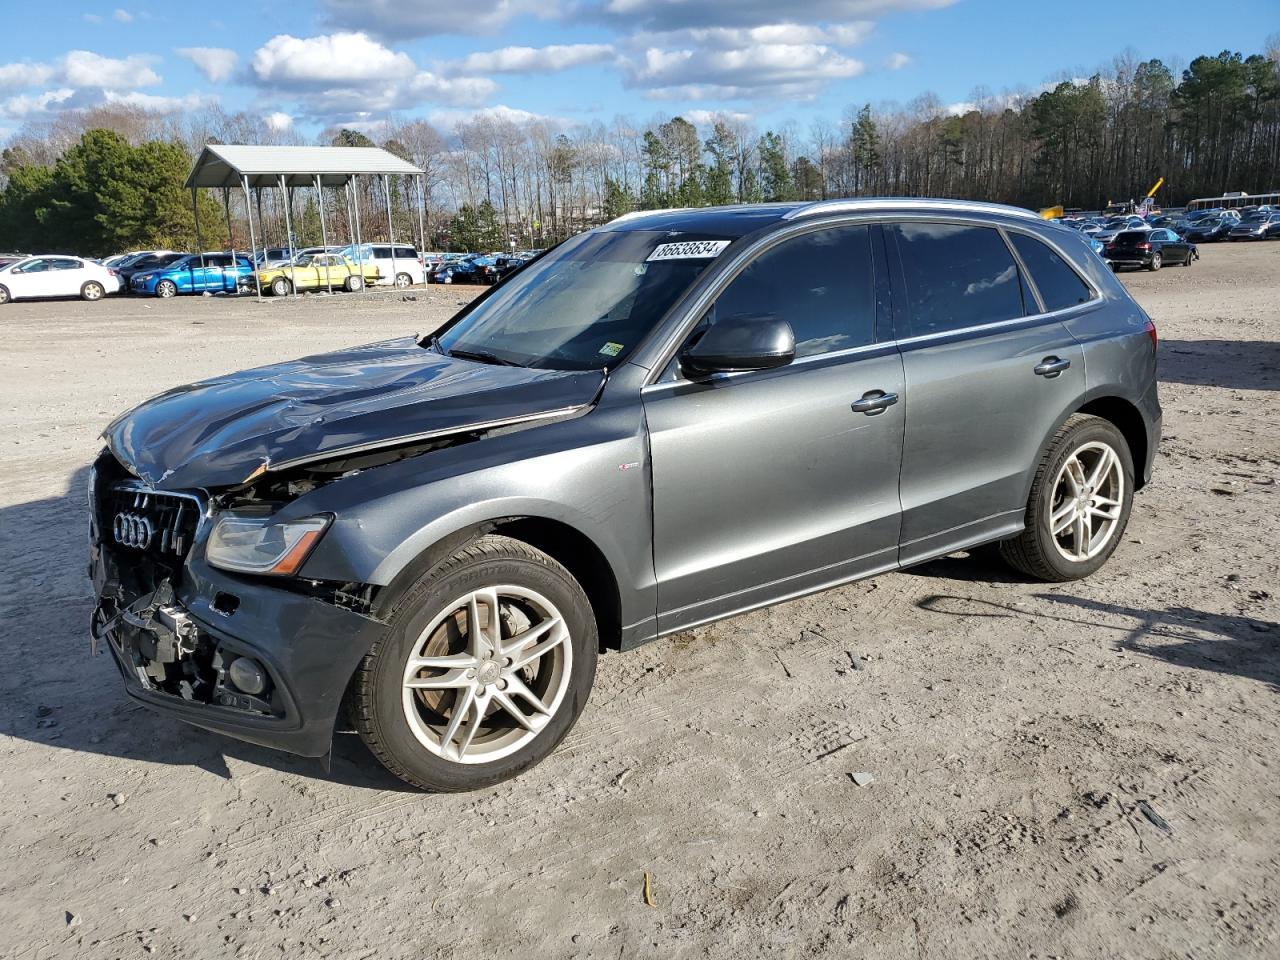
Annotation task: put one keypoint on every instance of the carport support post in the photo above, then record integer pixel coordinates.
(422, 227)
(231, 242)
(324, 233)
(195, 214)
(391, 228)
(355, 204)
(253, 240)
(288, 230)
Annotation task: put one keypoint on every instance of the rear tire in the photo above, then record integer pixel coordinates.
(431, 663)
(92, 290)
(1156, 262)
(403, 280)
(1044, 555)
(353, 284)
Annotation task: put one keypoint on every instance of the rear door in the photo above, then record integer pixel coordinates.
(989, 372)
(769, 484)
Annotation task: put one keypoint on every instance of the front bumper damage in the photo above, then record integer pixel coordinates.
(175, 645)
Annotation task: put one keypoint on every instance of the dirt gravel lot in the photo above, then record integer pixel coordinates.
(1086, 770)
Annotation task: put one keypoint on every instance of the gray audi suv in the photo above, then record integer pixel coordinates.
(674, 418)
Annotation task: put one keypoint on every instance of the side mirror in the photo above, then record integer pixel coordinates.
(744, 341)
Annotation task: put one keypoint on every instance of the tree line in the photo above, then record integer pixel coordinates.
(101, 180)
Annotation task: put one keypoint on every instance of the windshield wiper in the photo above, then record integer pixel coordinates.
(483, 356)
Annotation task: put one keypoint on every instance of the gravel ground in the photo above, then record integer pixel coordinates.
(1084, 770)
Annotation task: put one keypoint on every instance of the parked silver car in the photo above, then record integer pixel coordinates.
(668, 420)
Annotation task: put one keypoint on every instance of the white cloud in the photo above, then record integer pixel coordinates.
(216, 63)
(447, 119)
(328, 61)
(960, 108)
(533, 59)
(122, 16)
(783, 70)
(677, 14)
(709, 118)
(278, 121)
(731, 38)
(897, 61)
(351, 74)
(25, 106)
(81, 68)
(397, 19)
(157, 104)
(91, 17)
(16, 76)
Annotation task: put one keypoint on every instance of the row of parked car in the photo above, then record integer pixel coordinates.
(1152, 242)
(276, 270)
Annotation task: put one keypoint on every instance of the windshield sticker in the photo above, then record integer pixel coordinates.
(688, 250)
(611, 349)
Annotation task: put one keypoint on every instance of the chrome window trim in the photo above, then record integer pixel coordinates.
(661, 385)
(671, 343)
(911, 204)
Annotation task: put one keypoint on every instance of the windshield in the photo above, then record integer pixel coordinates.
(585, 305)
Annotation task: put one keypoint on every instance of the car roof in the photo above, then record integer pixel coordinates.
(740, 219)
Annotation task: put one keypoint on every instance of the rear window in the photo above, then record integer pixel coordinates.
(1131, 236)
(957, 276)
(1059, 285)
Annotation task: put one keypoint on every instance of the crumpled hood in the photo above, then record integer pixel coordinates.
(218, 432)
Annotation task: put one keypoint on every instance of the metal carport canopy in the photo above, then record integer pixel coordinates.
(227, 165)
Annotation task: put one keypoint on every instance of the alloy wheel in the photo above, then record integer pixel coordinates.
(487, 674)
(1087, 501)
(403, 280)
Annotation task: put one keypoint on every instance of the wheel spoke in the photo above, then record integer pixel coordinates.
(1061, 518)
(528, 647)
(1073, 473)
(1109, 513)
(1102, 469)
(504, 700)
(1081, 535)
(518, 687)
(461, 707)
(482, 640)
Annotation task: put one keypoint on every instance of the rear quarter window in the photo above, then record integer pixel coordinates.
(956, 276)
(1059, 284)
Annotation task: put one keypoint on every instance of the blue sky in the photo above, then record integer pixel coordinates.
(312, 65)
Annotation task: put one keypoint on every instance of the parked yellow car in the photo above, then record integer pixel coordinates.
(317, 271)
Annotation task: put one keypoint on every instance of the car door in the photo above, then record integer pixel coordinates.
(1172, 248)
(989, 372)
(66, 276)
(768, 484)
(30, 279)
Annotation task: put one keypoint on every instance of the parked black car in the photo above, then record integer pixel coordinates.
(1149, 248)
(1210, 228)
(152, 261)
(668, 420)
(1260, 226)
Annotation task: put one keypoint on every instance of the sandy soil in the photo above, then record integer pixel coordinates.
(1017, 733)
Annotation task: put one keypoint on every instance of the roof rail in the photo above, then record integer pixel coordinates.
(645, 213)
(859, 204)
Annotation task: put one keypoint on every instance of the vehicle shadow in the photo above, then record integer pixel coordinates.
(56, 694)
(1236, 364)
(1219, 643)
(976, 565)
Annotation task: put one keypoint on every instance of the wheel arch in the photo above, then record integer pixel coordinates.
(565, 544)
(1128, 420)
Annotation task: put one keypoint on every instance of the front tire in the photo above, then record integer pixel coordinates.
(1079, 504)
(166, 289)
(486, 664)
(280, 287)
(4, 295)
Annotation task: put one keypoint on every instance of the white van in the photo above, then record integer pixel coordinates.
(399, 264)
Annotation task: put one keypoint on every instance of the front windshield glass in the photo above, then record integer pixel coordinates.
(586, 304)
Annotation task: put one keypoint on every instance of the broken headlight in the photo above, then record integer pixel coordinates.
(249, 544)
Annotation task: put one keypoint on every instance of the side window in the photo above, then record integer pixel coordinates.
(956, 276)
(819, 282)
(382, 253)
(1059, 285)
(62, 263)
(406, 253)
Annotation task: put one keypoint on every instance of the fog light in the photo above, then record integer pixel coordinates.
(248, 676)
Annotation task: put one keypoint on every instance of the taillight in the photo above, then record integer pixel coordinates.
(1144, 246)
(1151, 332)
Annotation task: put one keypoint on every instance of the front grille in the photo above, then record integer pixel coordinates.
(147, 522)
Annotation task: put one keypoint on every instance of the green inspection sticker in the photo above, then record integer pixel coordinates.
(611, 349)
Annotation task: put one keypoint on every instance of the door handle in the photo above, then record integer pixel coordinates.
(1051, 367)
(874, 402)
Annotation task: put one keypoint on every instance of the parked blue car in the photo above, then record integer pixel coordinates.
(211, 272)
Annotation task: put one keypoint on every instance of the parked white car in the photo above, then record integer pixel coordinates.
(399, 264)
(56, 276)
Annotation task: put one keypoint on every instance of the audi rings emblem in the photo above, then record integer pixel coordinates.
(133, 530)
